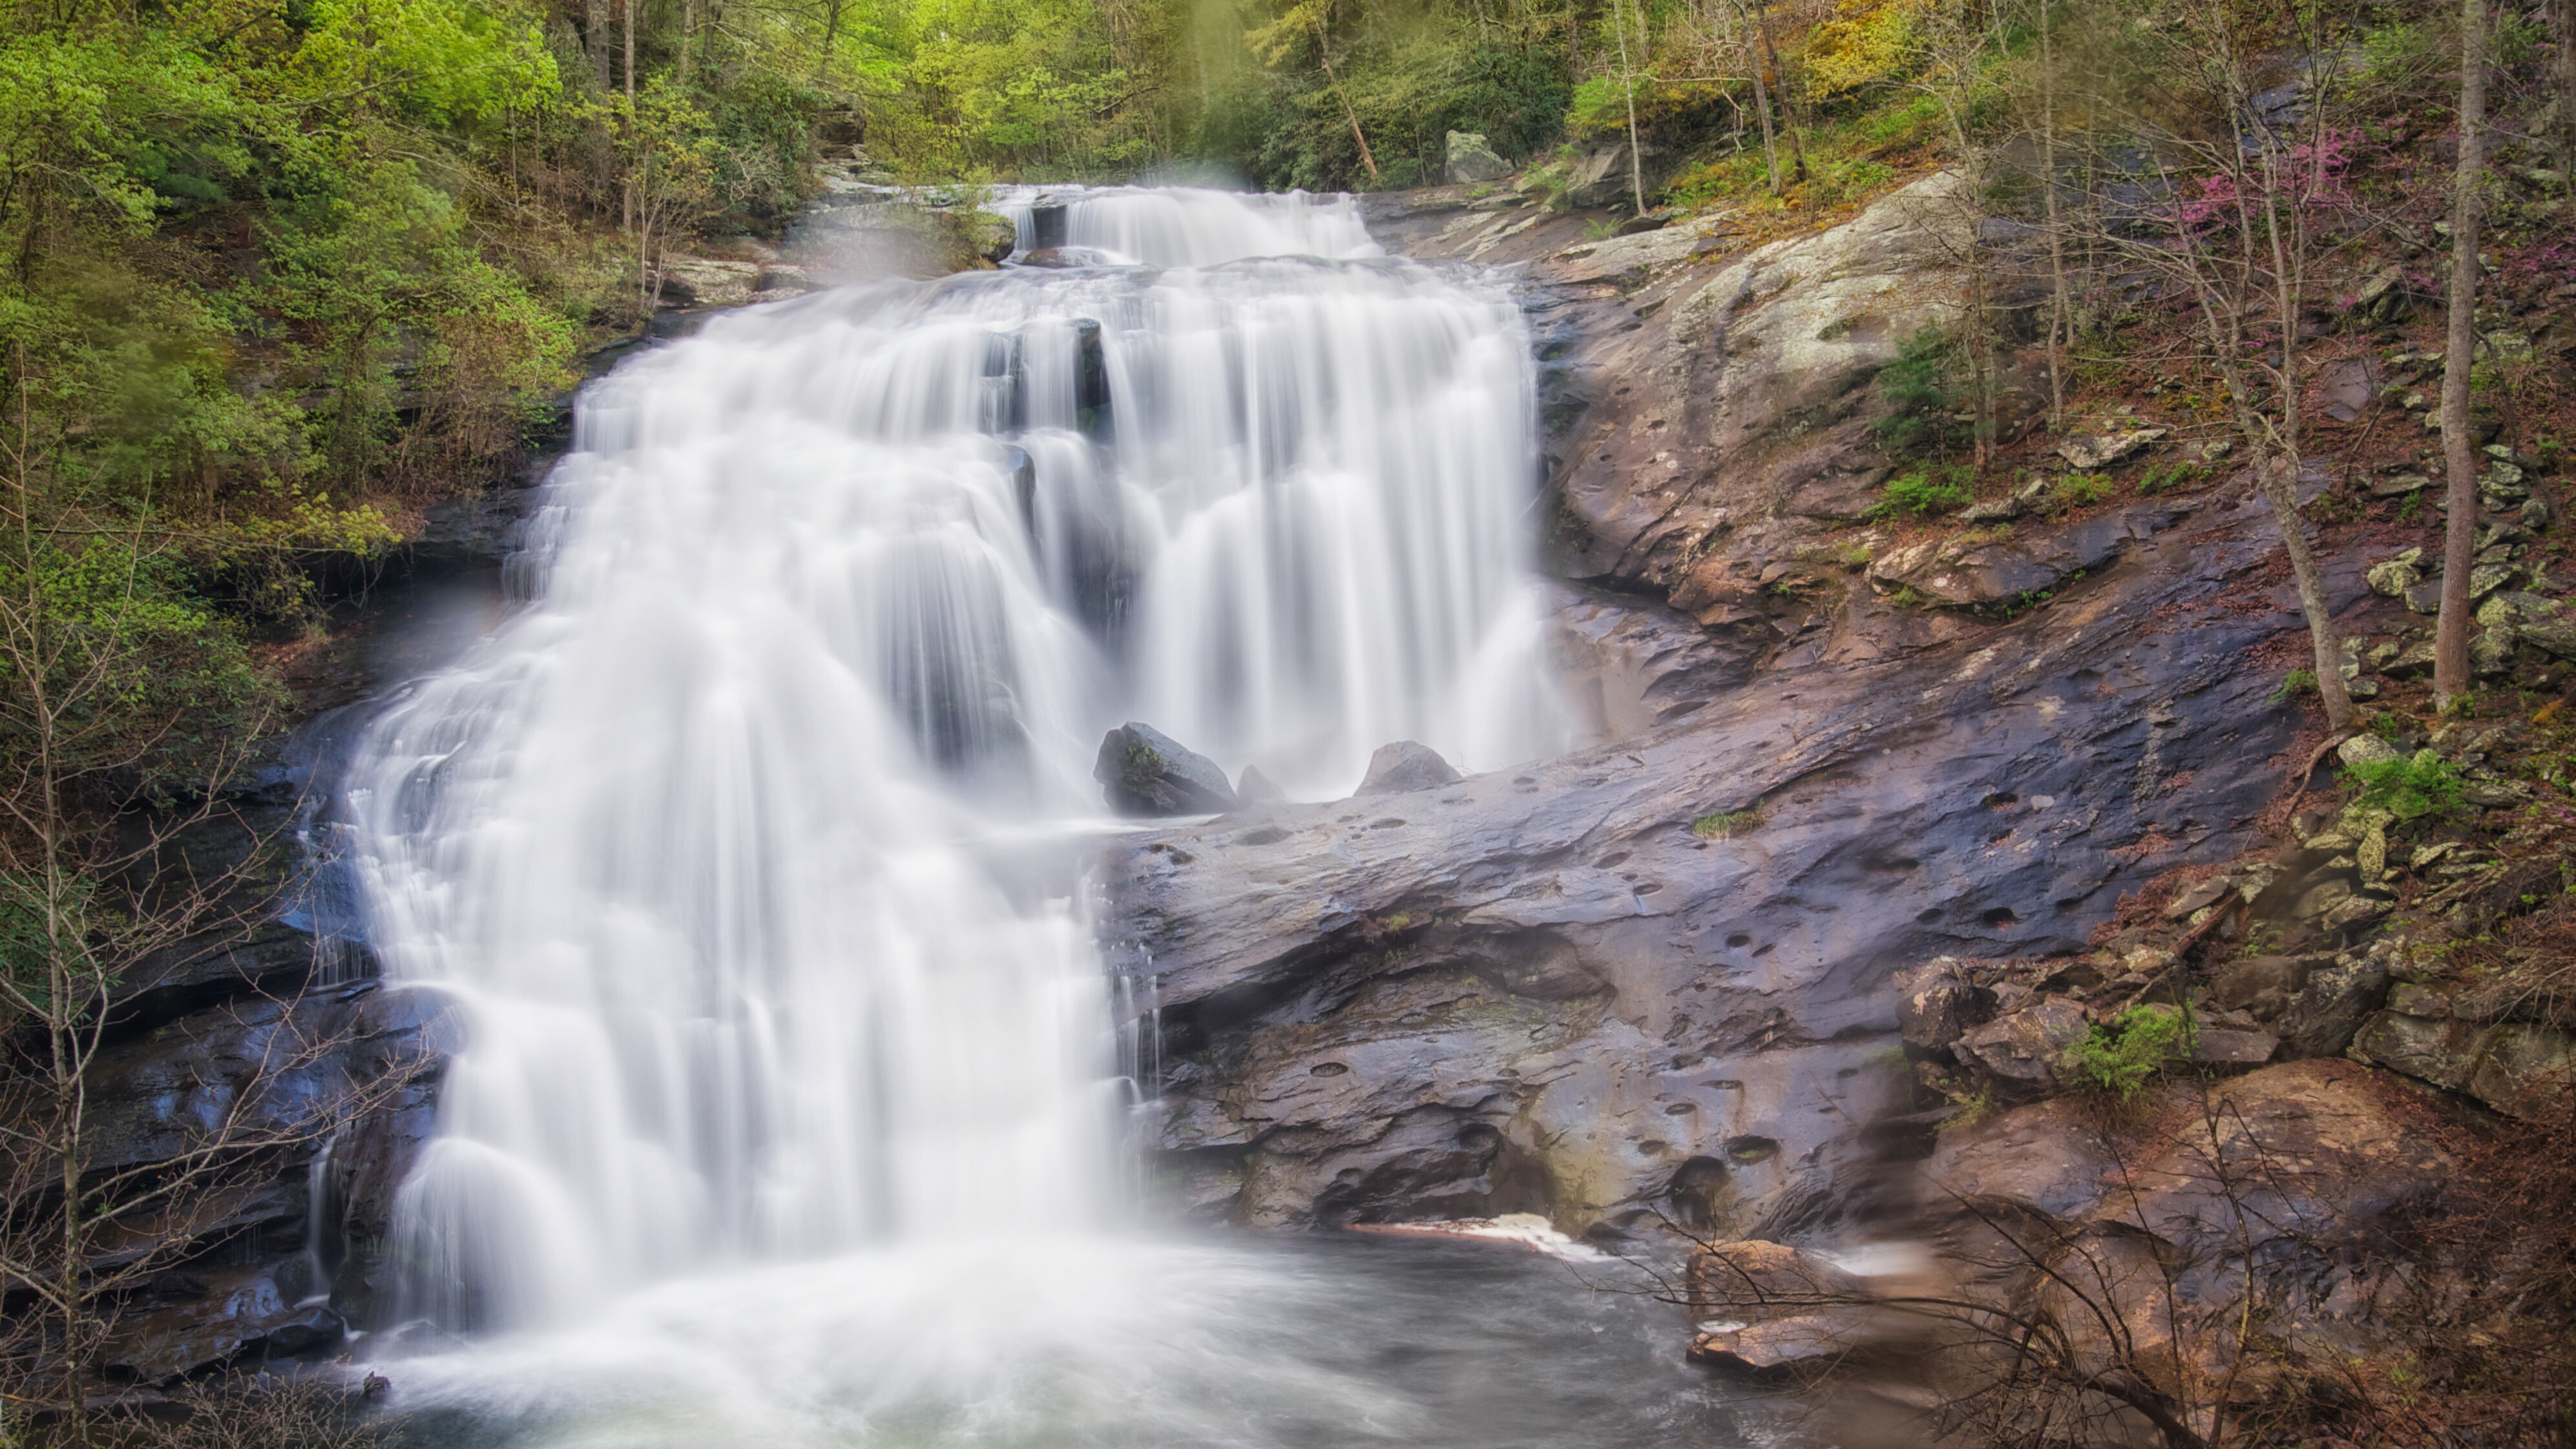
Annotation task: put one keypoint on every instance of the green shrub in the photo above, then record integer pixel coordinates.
(1727, 824)
(2169, 475)
(2122, 1055)
(2294, 684)
(2081, 490)
(1920, 493)
(1917, 385)
(2418, 785)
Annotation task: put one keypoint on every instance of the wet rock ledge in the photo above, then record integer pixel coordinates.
(1652, 983)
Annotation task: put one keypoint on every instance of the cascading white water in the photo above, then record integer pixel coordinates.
(711, 842)
(1185, 227)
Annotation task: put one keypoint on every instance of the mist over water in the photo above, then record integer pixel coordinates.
(789, 1094)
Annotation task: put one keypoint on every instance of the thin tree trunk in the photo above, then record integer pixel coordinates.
(1324, 53)
(831, 36)
(2059, 314)
(594, 39)
(2459, 458)
(1761, 101)
(1789, 112)
(2563, 22)
(629, 205)
(689, 30)
(1636, 164)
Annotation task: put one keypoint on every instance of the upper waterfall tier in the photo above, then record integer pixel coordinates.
(1182, 227)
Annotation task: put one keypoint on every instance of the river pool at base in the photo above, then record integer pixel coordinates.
(1211, 1343)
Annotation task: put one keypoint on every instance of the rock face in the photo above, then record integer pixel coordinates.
(1736, 422)
(344, 1078)
(1544, 990)
(2134, 1243)
(1143, 771)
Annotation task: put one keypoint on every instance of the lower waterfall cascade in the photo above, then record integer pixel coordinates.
(743, 848)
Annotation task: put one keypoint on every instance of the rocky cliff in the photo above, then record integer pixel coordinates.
(1652, 982)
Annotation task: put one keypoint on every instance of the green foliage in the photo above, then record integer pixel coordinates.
(1408, 77)
(2122, 1055)
(2166, 476)
(2080, 490)
(1919, 492)
(1727, 824)
(138, 677)
(2294, 684)
(1918, 389)
(2411, 787)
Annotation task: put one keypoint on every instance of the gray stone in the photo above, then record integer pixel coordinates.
(1256, 788)
(2101, 450)
(2546, 624)
(707, 282)
(1143, 771)
(1936, 1004)
(1404, 766)
(2392, 577)
(2026, 1047)
(2518, 1068)
(1471, 160)
(2331, 1003)
(1602, 177)
(2363, 750)
(2220, 1046)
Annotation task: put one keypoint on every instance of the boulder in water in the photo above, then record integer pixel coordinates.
(1403, 766)
(1146, 772)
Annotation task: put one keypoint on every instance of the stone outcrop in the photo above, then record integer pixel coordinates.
(1769, 1309)
(2133, 1241)
(1736, 421)
(1545, 990)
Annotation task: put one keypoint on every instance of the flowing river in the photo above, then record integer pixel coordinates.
(790, 1108)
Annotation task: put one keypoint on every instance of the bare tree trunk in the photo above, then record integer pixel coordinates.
(1636, 145)
(1324, 53)
(1789, 112)
(688, 33)
(2289, 295)
(2562, 18)
(831, 37)
(2059, 314)
(594, 39)
(1761, 100)
(628, 207)
(2459, 456)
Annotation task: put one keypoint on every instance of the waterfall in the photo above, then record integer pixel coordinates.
(730, 845)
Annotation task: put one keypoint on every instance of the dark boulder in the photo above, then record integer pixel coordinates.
(1404, 766)
(1143, 771)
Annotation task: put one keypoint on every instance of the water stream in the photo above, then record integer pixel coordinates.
(789, 1105)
